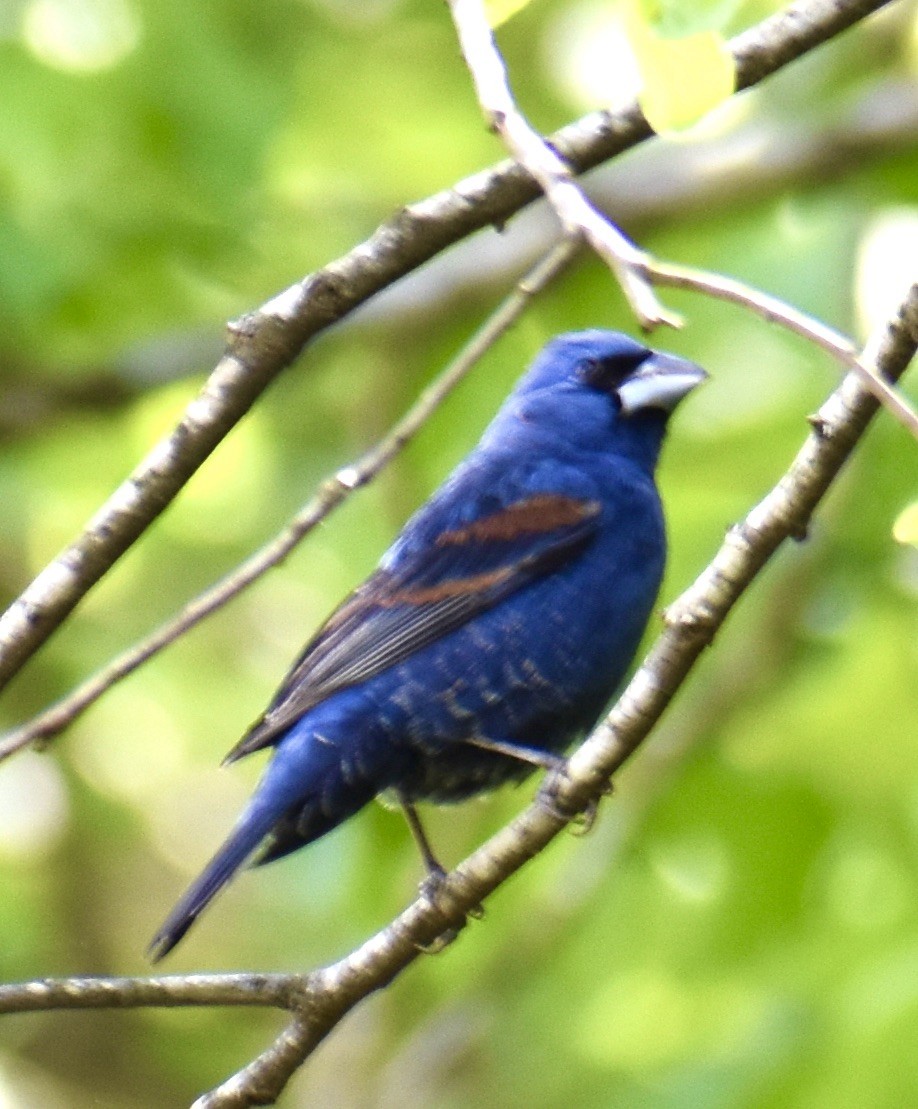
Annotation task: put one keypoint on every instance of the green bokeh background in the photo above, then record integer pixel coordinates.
(741, 928)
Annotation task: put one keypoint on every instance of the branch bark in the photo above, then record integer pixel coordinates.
(577, 216)
(265, 342)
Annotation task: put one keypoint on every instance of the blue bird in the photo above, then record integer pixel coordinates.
(497, 626)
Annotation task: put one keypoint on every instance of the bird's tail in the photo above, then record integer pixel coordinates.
(308, 788)
(251, 829)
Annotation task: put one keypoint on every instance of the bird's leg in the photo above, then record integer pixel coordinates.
(535, 756)
(430, 887)
(435, 872)
(556, 766)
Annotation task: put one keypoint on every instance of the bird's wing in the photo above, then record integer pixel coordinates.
(434, 587)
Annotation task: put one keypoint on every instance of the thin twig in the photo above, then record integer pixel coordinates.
(634, 268)
(164, 991)
(331, 493)
(778, 311)
(579, 218)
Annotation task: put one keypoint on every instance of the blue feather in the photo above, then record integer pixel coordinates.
(507, 611)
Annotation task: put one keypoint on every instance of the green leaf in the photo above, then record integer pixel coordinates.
(684, 78)
(679, 18)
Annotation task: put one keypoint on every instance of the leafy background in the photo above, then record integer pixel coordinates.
(741, 927)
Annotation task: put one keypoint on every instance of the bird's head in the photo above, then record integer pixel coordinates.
(608, 363)
(600, 391)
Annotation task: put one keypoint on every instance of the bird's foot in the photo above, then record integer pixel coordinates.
(441, 943)
(431, 886)
(431, 889)
(581, 817)
(583, 825)
(549, 795)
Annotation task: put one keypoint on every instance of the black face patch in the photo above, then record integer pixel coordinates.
(607, 374)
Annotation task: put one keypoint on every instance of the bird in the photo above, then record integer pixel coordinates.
(496, 627)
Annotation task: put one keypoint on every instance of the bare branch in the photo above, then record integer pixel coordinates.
(265, 342)
(778, 311)
(790, 33)
(761, 156)
(319, 1000)
(634, 268)
(166, 991)
(579, 218)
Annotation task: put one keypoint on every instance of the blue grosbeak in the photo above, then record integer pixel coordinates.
(496, 627)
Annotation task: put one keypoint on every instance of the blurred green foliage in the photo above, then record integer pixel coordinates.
(741, 927)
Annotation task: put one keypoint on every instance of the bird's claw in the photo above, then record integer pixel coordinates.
(582, 818)
(440, 943)
(549, 794)
(431, 890)
(431, 886)
(582, 824)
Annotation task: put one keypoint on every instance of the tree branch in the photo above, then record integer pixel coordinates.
(166, 991)
(578, 217)
(634, 268)
(263, 343)
(319, 1000)
(788, 34)
(777, 311)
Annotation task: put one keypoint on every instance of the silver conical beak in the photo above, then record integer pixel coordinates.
(661, 381)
